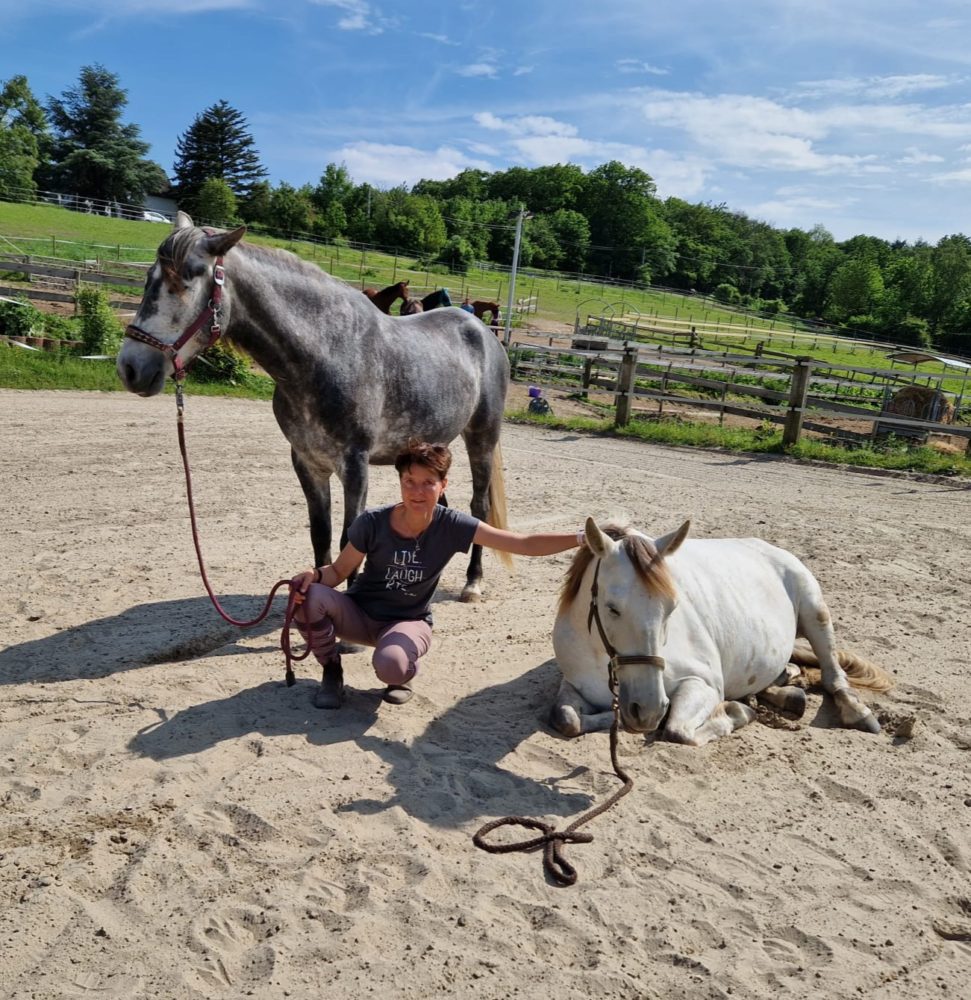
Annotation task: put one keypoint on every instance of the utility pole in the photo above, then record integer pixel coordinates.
(507, 332)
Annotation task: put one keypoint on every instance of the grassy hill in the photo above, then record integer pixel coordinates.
(51, 231)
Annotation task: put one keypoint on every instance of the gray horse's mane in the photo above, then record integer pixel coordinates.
(174, 252)
(651, 569)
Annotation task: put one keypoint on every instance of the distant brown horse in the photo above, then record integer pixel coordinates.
(481, 307)
(411, 307)
(386, 297)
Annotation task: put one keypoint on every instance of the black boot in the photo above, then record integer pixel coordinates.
(330, 694)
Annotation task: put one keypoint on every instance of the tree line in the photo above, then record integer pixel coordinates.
(607, 222)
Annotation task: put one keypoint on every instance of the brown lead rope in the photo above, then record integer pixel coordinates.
(554, 841)
(293, 598)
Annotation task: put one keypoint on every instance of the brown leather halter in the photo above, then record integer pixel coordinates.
(616, 660)
(208, 315)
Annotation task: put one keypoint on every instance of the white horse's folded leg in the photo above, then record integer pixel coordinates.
(786, 698)
(817, 627)
(854, 714)
(572, 715)
(697, 715)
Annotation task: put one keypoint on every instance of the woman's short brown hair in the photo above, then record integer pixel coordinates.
(436, 457)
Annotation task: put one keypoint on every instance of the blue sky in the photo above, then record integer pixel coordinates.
(851, 114)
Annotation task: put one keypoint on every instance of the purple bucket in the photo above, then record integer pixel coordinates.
(535, 392)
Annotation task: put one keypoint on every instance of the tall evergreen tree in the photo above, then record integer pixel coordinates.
(92, 152)
(23, 139)
(217, 144)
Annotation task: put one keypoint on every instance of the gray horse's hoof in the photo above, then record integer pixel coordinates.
(868, 724)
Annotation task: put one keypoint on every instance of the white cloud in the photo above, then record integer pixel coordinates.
(388, 165)
(639, 66)
(442, 39)
(792, 209)
(871, 87)
(540, 140)
(913, 155)
(522, 70)
(358, 16)
(524, 124)
(959, 176)
(756, 132)
(478, 69)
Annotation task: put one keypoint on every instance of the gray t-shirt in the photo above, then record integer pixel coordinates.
(400, 574)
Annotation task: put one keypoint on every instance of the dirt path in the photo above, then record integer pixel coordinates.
(176, 822)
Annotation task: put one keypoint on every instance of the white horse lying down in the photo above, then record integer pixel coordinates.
(691, 627)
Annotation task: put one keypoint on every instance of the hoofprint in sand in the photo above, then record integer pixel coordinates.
(175, 822)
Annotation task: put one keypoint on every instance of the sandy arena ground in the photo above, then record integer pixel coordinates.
(177, 823)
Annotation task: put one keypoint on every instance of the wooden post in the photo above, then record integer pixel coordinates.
(587, 373)
(624, 398)
(798, 390)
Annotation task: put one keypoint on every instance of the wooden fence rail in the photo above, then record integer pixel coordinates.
(78, 274)
(635, 374)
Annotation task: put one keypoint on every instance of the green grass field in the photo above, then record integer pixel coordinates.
(50, 231)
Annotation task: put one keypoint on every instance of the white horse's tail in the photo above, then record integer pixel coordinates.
(861, 673)
(497, 501)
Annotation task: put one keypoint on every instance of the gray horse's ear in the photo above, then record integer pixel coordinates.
(219, 243)
(597, 541)
(183, 220)
(668, 544)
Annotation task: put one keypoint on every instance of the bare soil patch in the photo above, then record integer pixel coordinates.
(177, 822)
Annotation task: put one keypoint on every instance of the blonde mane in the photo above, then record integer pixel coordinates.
(650, 568)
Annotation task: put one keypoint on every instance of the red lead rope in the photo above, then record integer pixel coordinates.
(294, 597)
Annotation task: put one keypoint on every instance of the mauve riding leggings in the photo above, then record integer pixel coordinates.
(327, 614)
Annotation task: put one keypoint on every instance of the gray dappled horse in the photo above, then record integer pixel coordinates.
(352, 384)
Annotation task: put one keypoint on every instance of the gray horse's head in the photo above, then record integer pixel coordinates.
(178, 289)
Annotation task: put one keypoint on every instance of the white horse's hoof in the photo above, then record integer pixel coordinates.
(868, 724)
(565, 720)
(471, 595)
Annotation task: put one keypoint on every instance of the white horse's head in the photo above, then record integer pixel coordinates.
(634, 600)
(180, 289)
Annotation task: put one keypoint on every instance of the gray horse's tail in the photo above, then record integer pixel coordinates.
(497, 501)
(861, 673)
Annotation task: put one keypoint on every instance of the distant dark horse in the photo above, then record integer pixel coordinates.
(387, 297)
(410, 307)
(350, 390)
(481, 307)
(433, 300)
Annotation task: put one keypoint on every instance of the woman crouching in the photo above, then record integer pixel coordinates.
(404, 546)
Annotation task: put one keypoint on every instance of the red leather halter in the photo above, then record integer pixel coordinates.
(209, 315)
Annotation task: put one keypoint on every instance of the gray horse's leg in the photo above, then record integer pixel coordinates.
(317, 492)
(480, 460)
(816, 625)
(572, 715)
(355, 482)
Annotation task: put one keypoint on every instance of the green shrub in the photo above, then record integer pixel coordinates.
(221, 363)
(101, 331)
(19, 319)
(727, 293)
(911, 330)
(59, 327)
